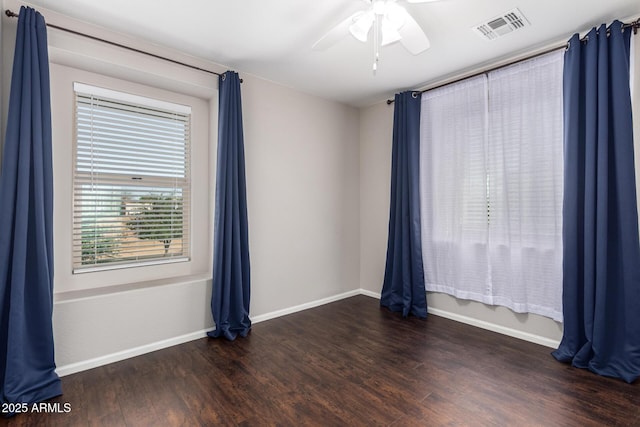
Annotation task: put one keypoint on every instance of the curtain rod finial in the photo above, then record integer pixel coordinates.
(10, 13)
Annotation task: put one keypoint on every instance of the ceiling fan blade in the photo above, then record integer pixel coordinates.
(413, 38)
(336, 33)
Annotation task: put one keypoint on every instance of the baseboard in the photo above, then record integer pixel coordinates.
(371, 294)
(504, 330)
(159, 345)
(127, 354)
(305, 306)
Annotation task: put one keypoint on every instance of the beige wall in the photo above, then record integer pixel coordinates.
(376, 129)
(303, 185)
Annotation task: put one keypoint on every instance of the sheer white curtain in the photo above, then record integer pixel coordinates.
(491, 187)
(453, 199)
(525, 177)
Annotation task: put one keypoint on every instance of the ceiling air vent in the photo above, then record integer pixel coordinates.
(502, 24)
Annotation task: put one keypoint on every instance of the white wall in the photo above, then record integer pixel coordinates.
(302, 157)
(376, 125)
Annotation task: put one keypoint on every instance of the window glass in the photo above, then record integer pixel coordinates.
(131, 182)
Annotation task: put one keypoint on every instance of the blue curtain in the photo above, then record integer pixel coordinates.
(27, 366)
(231, 281)
(601, 296)
(403, 289)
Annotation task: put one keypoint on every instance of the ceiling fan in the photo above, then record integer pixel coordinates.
(389, 22)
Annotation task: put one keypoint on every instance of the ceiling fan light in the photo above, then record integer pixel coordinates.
(379, 7)
(361, 26)
(389, 33)
(396, 15)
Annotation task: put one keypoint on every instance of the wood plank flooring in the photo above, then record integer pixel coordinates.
(349, 363)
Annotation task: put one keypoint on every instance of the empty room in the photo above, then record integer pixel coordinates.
(332, 213)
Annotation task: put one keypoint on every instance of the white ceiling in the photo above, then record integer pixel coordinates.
(273, 38)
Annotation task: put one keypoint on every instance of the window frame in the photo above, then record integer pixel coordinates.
(203, 101)
(130, 103)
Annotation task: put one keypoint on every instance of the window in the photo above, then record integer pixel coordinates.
(454, 152)
(491, 187)
(131, 181)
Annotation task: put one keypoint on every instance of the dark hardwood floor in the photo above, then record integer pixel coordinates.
(348, 363)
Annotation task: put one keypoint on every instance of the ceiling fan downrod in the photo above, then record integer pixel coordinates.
(376, 43)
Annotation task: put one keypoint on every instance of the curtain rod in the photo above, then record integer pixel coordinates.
(12, 14)
(635, 25)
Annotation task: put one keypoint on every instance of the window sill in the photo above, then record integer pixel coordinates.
(68, 296)
(137, 264)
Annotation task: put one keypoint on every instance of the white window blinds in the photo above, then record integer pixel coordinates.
(491, 187)
(131, 187)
